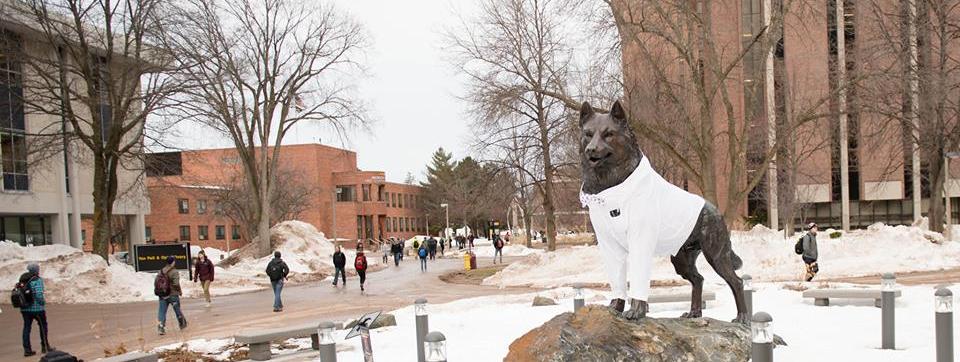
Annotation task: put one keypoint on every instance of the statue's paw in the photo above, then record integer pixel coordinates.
(742, 318)
(617, 305)
(634, 314)
(692, 314)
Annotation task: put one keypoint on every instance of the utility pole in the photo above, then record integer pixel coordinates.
(842, 104)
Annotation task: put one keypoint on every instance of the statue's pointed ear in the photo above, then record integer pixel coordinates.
(586, 110)
(617, 112)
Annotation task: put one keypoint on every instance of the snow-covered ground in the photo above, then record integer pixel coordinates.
(766, 254)
(486, 250)
(72, 276)
(481, 329)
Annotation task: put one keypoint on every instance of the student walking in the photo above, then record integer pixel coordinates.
(497, 248)
(385, 249)
(339, 263)
(442, 247)
(422, 253)
(360, 264)
(203, 272)
(167, 287)
(34, 309)
(810, 255)
(277, 270)
(396, 249)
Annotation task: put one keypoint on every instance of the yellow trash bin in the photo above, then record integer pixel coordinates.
(466, 261)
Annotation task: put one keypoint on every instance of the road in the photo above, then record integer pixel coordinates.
(86, 330)
(948, 276)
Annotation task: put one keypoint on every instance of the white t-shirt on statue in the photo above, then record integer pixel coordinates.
(642, 217)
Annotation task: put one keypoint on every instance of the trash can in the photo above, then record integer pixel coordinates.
(466, 261)
(473, 260)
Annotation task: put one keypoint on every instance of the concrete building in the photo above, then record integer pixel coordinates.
(801, 74)
(187, 188)
(46, 200)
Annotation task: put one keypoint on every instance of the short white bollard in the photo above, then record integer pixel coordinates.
(420, 309)
(888, 289)
(762, 338)
(748, 293)
(577, 297)
(328, 347)
(436, 345)
(944, 320)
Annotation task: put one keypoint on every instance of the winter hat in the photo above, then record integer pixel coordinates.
(812, 225)
(171, 259)
(33, 268)
(276, 254)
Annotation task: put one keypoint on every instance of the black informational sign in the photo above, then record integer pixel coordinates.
(151, 258)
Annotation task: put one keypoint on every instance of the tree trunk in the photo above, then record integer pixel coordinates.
(527, 220)
(263, 222)
(104, 194)
(549, 210)
(936, 210)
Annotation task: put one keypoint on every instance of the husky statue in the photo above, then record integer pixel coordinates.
(637, 215)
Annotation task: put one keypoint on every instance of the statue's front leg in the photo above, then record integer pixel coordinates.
(617, 305)
(638, 309)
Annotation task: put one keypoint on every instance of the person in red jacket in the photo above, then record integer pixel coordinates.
(203, 272)
(360, 264)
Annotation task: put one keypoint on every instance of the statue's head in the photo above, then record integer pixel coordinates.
(608, 147)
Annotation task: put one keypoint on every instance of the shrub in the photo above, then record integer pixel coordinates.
(836, 235)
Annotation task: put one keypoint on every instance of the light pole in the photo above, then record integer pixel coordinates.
(446, 209)
(946, 190)
(333, 228)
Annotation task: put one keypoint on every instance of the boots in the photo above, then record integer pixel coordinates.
(182, 322)
(161, 329)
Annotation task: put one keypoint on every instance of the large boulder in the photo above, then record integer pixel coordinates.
(595, 333)
(539, 301)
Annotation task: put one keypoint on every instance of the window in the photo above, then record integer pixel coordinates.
(148, 233)
(346, 193)
(201, 207)
(391, 199)
(221, 232)
(184, 232)
(359, 227)
(164, 164)
(388, 225)
(366, 192)
(400, 200)
(217, 208)
(13, 142)
(202, 232)
(380, 192)
(235, 232)
(103, 95)
(184, 206)
(83, 235)
(395, 229)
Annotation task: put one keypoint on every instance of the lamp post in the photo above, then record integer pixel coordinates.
(943, 308)
(446, 208)
(328, 347)
(436, 345)
(762, 338)
(748, 293)
(420, 310)
(946, 190)
(577, 297)
(888, 288)
(333, 228)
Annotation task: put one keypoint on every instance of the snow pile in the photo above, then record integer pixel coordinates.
(766, 254)
(487, 251)
(482, 329)
(72, 276)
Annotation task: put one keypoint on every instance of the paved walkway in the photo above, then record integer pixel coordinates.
(86, 330)
(948, 276)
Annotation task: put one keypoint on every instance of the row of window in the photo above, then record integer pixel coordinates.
(203, 232)
(405, 224)
(348, 193)
(13, 144)
(183, 207)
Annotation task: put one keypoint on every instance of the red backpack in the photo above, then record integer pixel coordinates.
(360, 263)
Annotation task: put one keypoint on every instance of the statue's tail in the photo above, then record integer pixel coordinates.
(737, 262)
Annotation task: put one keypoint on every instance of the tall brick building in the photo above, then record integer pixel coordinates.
(801, 75)
(344, 202)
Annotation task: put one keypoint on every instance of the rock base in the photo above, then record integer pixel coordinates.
(595, 333)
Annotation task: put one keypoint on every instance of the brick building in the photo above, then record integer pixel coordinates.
(343, 201)
(805, 77)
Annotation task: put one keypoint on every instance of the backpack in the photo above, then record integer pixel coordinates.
(275, 271)
(161, 284)
(359, 263)
(58, 356)
(422, 252)
(22, 294)
(798, 247)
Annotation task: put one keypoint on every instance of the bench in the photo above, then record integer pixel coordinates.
(131, 357)
(259, 341)
(681, 297)
(821, 297)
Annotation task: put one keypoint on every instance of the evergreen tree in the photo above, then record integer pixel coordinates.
(438, 186)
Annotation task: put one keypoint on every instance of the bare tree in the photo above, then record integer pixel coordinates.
(291, 197)
(103, 75)
(514, 55)
(257, 68)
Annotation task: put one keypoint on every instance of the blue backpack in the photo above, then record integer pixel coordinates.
(423, 252)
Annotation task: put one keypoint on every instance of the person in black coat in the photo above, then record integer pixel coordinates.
(278, 271)
(339, 263)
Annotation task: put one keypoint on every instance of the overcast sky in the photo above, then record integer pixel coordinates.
(410, 88)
